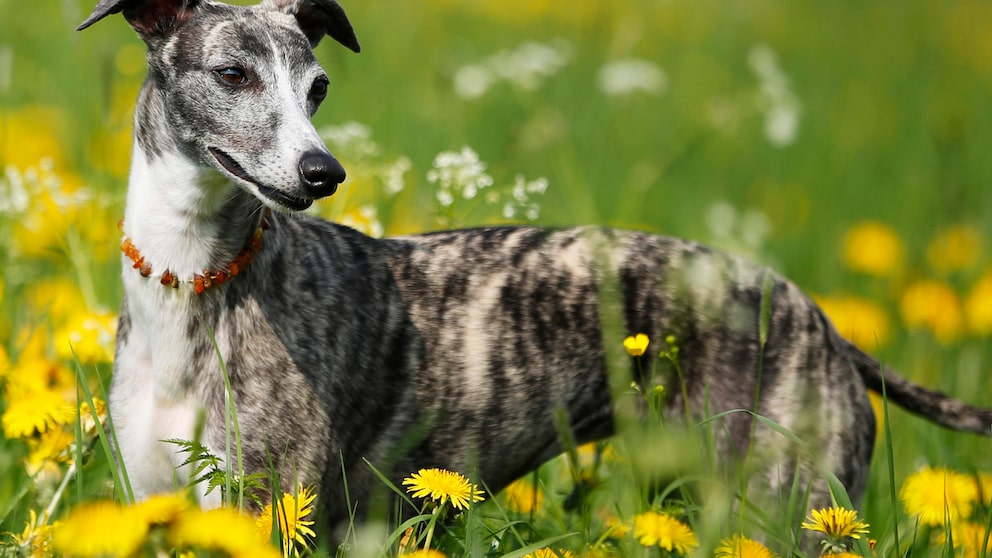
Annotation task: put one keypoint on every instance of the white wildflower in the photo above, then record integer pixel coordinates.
(521, 202)
(782, 124)
(539, 186)
(525, 67)
(509, 210)
(14, 197)
(351, 138)
(754, 228)
(531, 62)
(392, 175)
(353, 141)
(458, 174)
(779, 104)
(445, 198)
(473, 81)
(626, 76)
(721, 219)
(735, 231)
(18, 189)
(764, 63)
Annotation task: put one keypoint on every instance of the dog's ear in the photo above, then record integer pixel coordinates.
(150, 18)
(318, 18)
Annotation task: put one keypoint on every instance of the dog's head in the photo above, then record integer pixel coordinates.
(233, 89)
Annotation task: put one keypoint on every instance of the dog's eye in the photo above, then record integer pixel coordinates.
(232, 75)
(318, 90)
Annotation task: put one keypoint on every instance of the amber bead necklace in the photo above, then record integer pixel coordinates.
(209, 277)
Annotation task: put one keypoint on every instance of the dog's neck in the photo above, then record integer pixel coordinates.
(186, 218)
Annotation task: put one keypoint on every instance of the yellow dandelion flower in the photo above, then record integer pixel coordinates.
(163, 509)
(956, 248)
(35, 412)
(587, 454)
(441, 486)
(91, 419)
(935, 495)
(48, 447)
(860, 321)
(87, 336)
(57, 299)
(933, 305)
(840, 555)
(592, 453)
(873, 248)
(985, 487)
(660, 529)
(836, 523)
(37, 373)
(970, 538)
(263, 525)
(739, 546)
(221, 529)
(636, 345)
(617, 528)
(100, 528)
(978, 306)
(523, 497)
(548, 552)
(32, 341)
(30, 134)
(424, 553)
(36, 538)
(292, 510)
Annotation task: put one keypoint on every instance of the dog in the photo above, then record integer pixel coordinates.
(453, 349)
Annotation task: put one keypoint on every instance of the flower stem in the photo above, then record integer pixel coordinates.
(50, 510)
(431, 525)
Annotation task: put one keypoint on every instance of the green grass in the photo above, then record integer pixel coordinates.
(894, 126)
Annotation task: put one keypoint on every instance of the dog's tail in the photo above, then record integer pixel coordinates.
(933, 405)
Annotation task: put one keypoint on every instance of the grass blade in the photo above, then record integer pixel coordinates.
(122, 483)
(230, 422)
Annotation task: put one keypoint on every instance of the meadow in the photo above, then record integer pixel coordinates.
(845, 144)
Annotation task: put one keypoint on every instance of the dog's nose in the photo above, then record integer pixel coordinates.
(321, 173)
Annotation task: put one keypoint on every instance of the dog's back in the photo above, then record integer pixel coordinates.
(458, 349)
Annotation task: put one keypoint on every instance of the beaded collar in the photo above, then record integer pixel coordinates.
(209, 277)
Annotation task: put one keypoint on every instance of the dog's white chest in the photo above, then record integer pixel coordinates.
(149, 403)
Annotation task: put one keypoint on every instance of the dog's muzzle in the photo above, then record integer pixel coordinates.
(320, 173)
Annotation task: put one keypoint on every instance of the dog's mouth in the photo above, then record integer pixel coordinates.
(280, 198)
